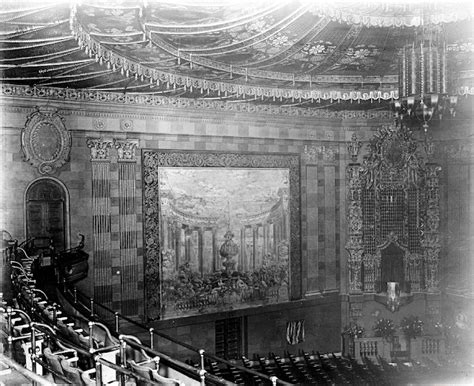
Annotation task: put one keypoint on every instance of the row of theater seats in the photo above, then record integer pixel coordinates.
(305, 368)
(333, 369)
(70, 349)
(319, 369)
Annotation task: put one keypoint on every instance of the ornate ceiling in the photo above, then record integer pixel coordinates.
(290, 53)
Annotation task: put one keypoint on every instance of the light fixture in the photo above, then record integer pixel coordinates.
(423, 81)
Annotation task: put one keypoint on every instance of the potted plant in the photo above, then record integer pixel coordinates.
(385, 328)
(411, 326)
(351, 332)
(354, 330)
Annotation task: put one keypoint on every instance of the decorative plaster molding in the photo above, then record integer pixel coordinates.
(45, 141)
(355, 310)
(126, 125)
(99, 148)
(115, 98)
(99, 124)
(328, 154)
(126, 149)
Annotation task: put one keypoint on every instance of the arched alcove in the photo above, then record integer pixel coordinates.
(47, 211)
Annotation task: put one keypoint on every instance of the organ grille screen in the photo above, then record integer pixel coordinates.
(394, 210)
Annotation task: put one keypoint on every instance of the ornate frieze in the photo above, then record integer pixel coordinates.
(126, 149)
(99, 148)
(114, 98)
(45, 141)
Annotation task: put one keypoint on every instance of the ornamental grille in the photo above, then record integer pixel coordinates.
(368, 220)
(413, 218)
(392, 210)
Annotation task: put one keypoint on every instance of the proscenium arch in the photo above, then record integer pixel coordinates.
(64, 196)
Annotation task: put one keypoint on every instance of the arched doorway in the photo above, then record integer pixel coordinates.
(46, 203)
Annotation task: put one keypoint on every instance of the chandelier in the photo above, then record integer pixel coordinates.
(423, 81)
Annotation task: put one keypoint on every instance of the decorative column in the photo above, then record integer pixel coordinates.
(101, 224)
(127, 200)
(430, 241)
(354, 244)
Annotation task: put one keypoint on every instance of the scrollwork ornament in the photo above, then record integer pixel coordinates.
(353, 147)
(45, 141)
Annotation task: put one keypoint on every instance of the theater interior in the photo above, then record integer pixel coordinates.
(265, 192)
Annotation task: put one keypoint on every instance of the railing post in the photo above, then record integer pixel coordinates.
(201, 353)
(98, 371)
(151, 337)
(274, 380)
(202, 375)
(123, 358)
(92, 306)
(9, 325)
(33, 348)
(32, 302)
(55, 315)
(123, 353)
(117, 316)
(91, 341)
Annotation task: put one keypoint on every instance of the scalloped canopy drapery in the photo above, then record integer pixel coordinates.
(276, 52)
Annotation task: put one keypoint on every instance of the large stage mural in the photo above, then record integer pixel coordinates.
(219, 230)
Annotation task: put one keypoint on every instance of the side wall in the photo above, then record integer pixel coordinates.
(320, 141)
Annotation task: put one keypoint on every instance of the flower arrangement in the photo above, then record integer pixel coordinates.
(412, 326)
(385, 328)
(354, 330)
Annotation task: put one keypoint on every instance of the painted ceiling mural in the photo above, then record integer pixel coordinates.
(292, 52)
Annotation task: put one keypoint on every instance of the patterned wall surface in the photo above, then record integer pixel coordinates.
(128, 212)
(321, 144)
(101, 220)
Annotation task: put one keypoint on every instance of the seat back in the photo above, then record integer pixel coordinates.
(155, 376)
(54, 361)
(71, 373)
(132, 353)
(86, 377)
(101, 334)
(143, 370)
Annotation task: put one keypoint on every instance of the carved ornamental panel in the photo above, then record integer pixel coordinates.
(393, 195)
(45, 141)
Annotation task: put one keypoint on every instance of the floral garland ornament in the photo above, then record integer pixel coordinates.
(385, 328)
